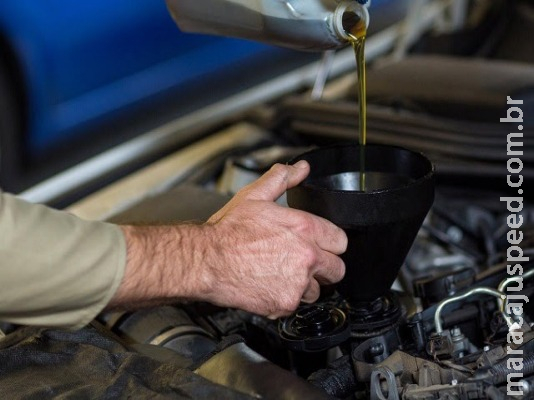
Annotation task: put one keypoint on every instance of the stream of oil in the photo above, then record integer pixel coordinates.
(357, 39)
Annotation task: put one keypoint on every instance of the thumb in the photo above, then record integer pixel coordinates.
(277, 180)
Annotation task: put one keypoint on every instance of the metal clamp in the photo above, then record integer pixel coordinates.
(377, 377)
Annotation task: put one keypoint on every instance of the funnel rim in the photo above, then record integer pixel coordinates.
(428, 175)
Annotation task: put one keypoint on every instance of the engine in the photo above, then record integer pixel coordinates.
(443, 331)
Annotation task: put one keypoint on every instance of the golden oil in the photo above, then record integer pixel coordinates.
(357, 35)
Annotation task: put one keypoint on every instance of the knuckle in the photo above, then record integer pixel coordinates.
(279, 173)
(280, 170)
(243, 194)
(308, 256)
(304, 223)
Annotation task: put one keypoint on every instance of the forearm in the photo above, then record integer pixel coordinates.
(164, 265)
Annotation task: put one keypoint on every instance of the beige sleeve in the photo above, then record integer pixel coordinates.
(55, 269)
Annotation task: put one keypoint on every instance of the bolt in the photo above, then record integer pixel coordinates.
(376, 349)
(487, 348)
(454, 382)
(455, 234)
(456, 332)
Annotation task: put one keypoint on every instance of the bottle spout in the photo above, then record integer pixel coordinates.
(351, 19)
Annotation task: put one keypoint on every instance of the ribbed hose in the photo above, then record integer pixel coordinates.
(501, 371)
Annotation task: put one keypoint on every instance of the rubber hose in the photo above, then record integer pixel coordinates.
(501, 371)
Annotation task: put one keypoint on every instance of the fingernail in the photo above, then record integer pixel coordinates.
(301, 164)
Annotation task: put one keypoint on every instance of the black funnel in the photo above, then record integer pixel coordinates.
(382, 222)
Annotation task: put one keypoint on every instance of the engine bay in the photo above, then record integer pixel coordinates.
(442, 332)
(457, 321)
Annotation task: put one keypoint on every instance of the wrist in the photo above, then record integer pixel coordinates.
(164, 264)
(188, 259)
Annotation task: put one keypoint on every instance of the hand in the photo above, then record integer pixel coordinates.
(266, 258)
(252, 254)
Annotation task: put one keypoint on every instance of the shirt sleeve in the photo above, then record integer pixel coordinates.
(56, 270)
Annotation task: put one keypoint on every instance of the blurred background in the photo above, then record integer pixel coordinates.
(80, 78)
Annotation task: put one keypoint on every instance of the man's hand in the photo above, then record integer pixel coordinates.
(269, 258)
(252, 254)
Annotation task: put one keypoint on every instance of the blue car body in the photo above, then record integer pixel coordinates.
(82, 62)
